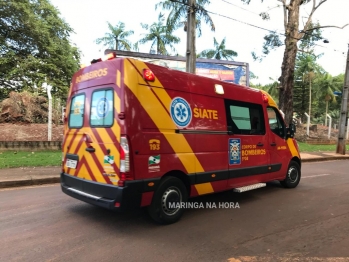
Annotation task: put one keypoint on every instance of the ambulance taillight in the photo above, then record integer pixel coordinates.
(265, 98)
(124, 161)
(109, 56)
(148, 75)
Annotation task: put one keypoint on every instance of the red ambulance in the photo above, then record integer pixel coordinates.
(141, 135)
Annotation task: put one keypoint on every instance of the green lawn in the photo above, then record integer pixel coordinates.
(54, 158)
(303, 147)
(30, 159)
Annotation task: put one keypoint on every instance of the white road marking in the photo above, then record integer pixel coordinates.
(317, 175)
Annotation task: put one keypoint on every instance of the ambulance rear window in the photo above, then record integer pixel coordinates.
(102, 108)
(76, 114)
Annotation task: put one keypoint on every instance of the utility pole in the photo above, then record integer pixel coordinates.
(343, 121)
(49, 127)
(310, 96)
(191, 54)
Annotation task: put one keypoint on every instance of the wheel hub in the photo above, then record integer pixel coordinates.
(171, 201)
(293, 174)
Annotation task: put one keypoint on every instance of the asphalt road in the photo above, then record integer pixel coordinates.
(309, 223)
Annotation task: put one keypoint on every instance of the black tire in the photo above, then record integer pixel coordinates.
(293, 175)
(172, 190)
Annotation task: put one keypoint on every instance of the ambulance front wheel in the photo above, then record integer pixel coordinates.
(168, 201)
(293, 175)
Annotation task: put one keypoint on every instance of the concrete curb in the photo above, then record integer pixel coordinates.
(320, 159)
(29, 182)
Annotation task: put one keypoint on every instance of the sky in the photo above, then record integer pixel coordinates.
(243, 29)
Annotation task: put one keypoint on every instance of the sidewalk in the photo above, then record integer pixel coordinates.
(28, 176)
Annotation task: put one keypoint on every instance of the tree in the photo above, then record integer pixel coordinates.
(327, 85)
(291, 11)
(219, 52)
(116, 37)
(35, 47)
(179, 14)
(159, 36)
(307, 70)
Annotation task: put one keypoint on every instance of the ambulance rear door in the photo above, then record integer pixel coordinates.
(92, 139)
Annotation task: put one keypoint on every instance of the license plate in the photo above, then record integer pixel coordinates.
(70, 163)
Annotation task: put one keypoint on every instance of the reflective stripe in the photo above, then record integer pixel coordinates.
(83, 193)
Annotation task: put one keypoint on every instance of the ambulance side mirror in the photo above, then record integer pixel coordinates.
(291, 130)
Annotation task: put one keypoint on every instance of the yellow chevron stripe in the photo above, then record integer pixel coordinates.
(161, 118)
(84, 173)
(164, 97)
(117, 102)
(116, 128)
(292, 148)
(118, 79)
(92, 164)
(99, 155)
(204, 188)
(109, 144)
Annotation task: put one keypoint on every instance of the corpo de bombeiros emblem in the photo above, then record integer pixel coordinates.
(180, 112)
(102, 107)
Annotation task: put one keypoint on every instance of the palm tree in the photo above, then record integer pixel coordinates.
(179, 14)
(219, 52)
(327, 85)
(307, 67)
(116, 37)
(160, 36)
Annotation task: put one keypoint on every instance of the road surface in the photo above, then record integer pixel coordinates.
(309, 223)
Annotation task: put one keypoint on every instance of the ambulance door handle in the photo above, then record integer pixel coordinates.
(90, 149)
(273, 144)
(260, 144)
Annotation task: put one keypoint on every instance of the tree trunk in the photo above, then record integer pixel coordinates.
(310, 98)
(289, 61)
(326, 113)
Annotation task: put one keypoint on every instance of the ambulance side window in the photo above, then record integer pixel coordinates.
(76, 113)
(245, 118)
(276, 123)
(102, 108)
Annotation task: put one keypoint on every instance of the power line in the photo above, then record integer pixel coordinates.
(240, 7)
(252, 25)
(265, 29)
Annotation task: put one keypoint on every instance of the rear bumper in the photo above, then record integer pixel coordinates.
(103, 195)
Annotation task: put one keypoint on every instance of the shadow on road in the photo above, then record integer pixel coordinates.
(123, 221)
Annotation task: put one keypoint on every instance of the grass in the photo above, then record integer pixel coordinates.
(54, 158)
(303, 147)
(30, 159)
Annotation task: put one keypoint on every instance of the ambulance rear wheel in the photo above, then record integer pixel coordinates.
(168, 202)
(293, 175)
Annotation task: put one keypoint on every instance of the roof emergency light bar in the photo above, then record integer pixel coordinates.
(109, 56)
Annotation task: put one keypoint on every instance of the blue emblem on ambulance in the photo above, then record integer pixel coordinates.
(180, 112)
(102, 107)
(234, 151)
